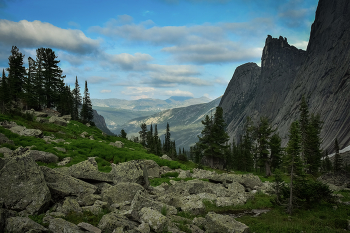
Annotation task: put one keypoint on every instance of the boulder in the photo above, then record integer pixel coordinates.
(101, 186)
(96, 208)
(88, 227)
(87, 170)
(3, 216)
(23, 186)
(224, 223)
(58, 121)
(117, 144)
(40, 114)
(166, 157)
(131, 171)
(194, 203)
(121, 192)
(23, 131)
(42, 120)
(67, 117)
(164, 169)
(6, 152)
(23, 224)
(88, 199)
(62, 185)
(143, 228)
(42, 156)
(4, 139)
(69, 205)
(155, 220)
(184, 174)
(61, 149)
(58, 225)
(113, 220)
(65, 161)
(83, 134)
(152, 168)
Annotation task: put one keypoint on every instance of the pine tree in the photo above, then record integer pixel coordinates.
(16, 73)
(276, 151)
(122, 134)
(246, 147)
(337, 162)
(4, 92)
(77, 100)
(143, 134)
(313, 146)
(156, 142)
(86, 113)
(167, 141)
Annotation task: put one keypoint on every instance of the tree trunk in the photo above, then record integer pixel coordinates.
(267, 169)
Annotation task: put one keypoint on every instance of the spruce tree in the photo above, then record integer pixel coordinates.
(16, 73)
(38, 79)
(313, 146)
(276, 151)
(263, 132)
(122, 134)
(167, 141)
(143, 134)
(156, 144)
(337, 162)
(76, 100)
(86, 113)
(4, 92)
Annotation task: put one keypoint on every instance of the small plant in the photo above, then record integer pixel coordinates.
(164, 210)
(170, 174)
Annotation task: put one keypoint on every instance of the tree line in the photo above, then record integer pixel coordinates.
(41, 85)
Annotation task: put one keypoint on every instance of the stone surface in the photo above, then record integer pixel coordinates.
(224, 223)
(42, 120)
(42, 156)
(69, 205)
(4, 139)
(152, 168)
(58, 225)
(88, 199)
(23, 186)
(58, 121)
(61, 149)
(65, 161)
(166, 157)
(113, 220)
(23, 224)
(121, 192)
(89, 228)
(117, 144)
(155, 220)
(62, 185)
(131, 171)
(23, 131)
(6, 152)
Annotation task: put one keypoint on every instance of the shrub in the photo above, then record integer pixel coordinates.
(170, 174)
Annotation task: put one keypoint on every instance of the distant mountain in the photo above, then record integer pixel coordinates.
(116, 112)
(321, 74)
(185, 123)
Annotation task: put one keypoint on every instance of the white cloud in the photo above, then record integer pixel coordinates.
(126, 61)
(138, 91)
(178, 93)
(74, 24)
(96, 79)
(301, 44)
(105, 91)
(38, 34)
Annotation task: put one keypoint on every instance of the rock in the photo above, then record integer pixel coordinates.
(6, 151)
(121, 192)
(8, 124)
(61, 149)
(113, 220)
(88, 199)
(3, 217)
(65, 161)
(67, 117)
(58, 121)
(88, 170)
(199, 221)
(96, 208)
(88, 124)
(155, 220)
(62, 185)
(224, 223)
(101, 186)
(83, 134)
(117, 144)
(40, 114)
(4, 139)
(184, 174)
(164, 169)
(152, 168)
(143, 228)
(42, 120)
(91, 137)
(89, 228)
(23, 186)
(131, 171)
(166, 157)
(42, 156)
(23, 131)
(23, 224)
(58, 225)
(69, 205)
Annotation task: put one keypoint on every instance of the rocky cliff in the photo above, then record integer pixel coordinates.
(100, 123)
(322, 74)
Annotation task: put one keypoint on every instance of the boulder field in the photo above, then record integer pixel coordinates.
(132, 204)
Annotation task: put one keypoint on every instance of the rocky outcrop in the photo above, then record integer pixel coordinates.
(59, 225)
(121, 192)
(321, 74)
(220, 223)
(4, 139)
(23, 224)
(131, 171)
(58, 121)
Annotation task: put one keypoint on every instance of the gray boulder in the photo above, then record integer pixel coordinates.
(88, 227)
(65, 161)
(67, 117)
(4, 139)
(23, 186)
(40, 114)
(224, 223)
(61, 149)
(69, 205)
(42, 156)
(96, 208)
(23, 224)
(23, 131)
(184, 174)
(62, 185)
(42, 120)
(58, 121)
(88, 199)
(152, 168)
(117, 144)
(6, 151)
(113, 220)
(156, 220)
(131, 171)
(121, 192)
(166, 157)
(58, 225)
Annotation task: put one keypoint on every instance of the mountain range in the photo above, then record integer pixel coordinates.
(321, 74)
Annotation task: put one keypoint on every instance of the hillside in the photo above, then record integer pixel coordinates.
(321, 74)
(185, 123)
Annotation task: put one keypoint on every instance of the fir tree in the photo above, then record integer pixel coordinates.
(143, 134)
(76, 100)
(122, 134)
(156, 142)
(4, 92)
(314, 151)
(276, 151)
(167, 141)
(86, 114)
(16, 73)
(337, 162)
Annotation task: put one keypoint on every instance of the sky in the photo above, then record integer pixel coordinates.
(151, 48)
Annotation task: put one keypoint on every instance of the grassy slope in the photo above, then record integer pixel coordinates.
(323, 218)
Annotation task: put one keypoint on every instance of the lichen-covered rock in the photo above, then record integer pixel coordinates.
(6, 151)
(194, 203)
(184, 174)
(61, 149)
(224, 223)
(23, 186)
(4, 139)
(87, 170)
(89, 228)
(155, 220)
(202, 174)
(58, 121)
(69, 205)
(117, 144)
(88, 199)
(65, 161)
(113, 220)
(40, 114)
(42, 120)
(23, 131)
(152, 168)
(62, 185)
(23, 224)
(121, 192)
(67, 117)
(166, 157)
(42, 156)
(131, 171)
(143, 228)
(58, 225)
(101, 186)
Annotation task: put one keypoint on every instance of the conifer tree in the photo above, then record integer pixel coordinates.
(4, 92)
(122, 134)
(276, 151)
(304, 124)
(314, 151)
(337, 162)
(16, 73)
(156, 144)
(263, 132)
(76, 100)
(143, 134)
(246, 147)
(38, 79)
(167, 141)
(30, 95)
(86, 113)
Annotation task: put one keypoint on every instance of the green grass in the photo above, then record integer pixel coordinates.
(39, 219)
(86, 216)
(170, 174)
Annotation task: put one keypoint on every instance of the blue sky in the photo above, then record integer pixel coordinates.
(152, 48)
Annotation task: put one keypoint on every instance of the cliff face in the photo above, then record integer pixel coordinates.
(322, 74)
(100, 123)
